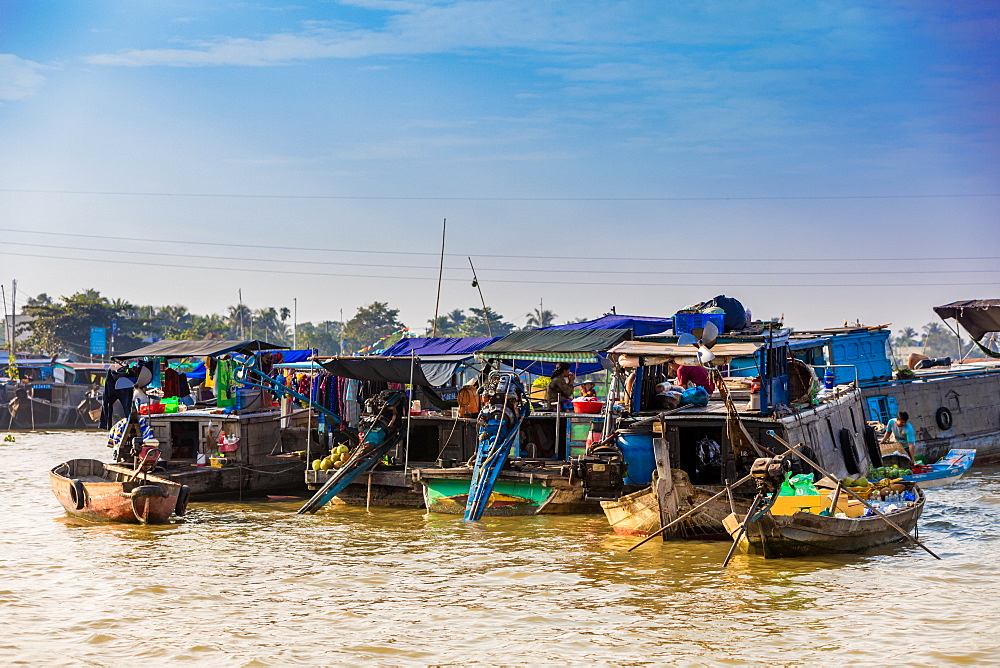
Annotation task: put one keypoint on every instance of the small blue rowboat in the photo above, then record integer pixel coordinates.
(946, 470)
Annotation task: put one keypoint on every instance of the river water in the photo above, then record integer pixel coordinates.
(254, 584)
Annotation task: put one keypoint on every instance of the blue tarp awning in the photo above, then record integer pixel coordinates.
(439, 345)
(641, 325)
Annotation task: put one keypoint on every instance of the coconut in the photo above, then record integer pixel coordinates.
(316, 464)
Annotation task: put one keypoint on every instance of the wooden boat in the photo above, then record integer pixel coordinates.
(94, 490)
(640, 513)
(805, 533)
(944, 471)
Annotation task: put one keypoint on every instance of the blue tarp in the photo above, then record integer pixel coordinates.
(440, 345)
(641, 325)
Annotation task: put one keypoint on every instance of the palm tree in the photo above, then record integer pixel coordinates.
(239, 317)
(907, 337)
(540, 317)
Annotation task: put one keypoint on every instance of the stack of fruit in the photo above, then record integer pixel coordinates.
(334, 460)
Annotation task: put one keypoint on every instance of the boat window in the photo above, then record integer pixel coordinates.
(184, 438)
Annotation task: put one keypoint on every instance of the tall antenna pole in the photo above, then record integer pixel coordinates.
(486, 311)
(437, 302)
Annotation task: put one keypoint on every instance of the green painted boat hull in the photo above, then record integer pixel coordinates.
(448, 495)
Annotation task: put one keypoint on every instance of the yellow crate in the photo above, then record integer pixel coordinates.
(216, 462)
(817, 503)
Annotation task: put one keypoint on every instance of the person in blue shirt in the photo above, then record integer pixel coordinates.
(901, 431)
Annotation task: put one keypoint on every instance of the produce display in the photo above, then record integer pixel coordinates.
(337, 457)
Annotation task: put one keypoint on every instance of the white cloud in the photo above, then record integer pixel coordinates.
(19, 78)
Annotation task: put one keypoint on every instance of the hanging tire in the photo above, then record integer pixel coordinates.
(871, 444)
(182, 501)
(848, 451)
(943, 418)
(77, 494)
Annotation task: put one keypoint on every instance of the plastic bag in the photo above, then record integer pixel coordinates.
(798, 485)
(696, 396)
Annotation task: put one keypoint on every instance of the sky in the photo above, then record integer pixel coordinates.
(825, 161)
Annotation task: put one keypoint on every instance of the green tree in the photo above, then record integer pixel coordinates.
(238, 317)
(539, 318)
(448, 325)
(174, 320)
(907, 337)
(324, 337)
(268, 326)
(938, 341)
(211, 326)
(475, 324)
(60, 327)
(370, 324)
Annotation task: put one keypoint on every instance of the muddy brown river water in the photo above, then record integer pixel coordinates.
(253, 584)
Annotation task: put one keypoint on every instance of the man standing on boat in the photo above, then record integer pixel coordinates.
(901, 431)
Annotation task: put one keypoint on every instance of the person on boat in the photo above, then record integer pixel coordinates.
(587, 389)
(901, 432)
(560, 384)
(689, 375)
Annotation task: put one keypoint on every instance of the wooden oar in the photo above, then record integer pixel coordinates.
(816, 466)
(743, 529)
(689, 513)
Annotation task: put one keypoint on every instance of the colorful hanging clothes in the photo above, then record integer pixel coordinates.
(225, 391)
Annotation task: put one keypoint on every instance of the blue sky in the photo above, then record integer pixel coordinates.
(780, 152)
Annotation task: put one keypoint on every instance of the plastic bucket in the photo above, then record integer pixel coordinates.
(637, 450)
(589, 407)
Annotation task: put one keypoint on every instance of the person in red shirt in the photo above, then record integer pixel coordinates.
(692, 374)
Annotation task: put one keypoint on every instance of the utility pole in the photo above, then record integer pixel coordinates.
(295, 323)
(239, 309)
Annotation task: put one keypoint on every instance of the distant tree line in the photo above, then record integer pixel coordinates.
(62, 325)
(935, 340)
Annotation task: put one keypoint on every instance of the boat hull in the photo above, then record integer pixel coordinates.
(806, 534)
(513, 495)
(86, 488)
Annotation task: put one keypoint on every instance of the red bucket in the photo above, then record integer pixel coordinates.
(587, 406)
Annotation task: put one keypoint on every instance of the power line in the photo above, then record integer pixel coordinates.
(494, 255)
(523, 282)
(391, 198)
(503, 269)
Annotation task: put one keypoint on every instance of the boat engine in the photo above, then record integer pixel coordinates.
(602, 471)
(769, 473)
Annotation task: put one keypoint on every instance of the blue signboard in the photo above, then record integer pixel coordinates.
(98, 340)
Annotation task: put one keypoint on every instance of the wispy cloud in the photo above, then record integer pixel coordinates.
(19, 78)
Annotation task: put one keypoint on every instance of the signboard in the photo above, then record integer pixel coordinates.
(98, 340)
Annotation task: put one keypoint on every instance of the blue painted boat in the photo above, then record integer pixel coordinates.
(946, 470)
(499, 423)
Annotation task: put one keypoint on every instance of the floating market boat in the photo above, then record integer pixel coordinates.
(94, 490)
(804, 532)
(942, 472)
(952, 403)
(697, 450)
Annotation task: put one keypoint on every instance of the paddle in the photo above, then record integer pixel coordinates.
(816, 466)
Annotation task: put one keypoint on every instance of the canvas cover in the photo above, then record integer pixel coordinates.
(167, 348)
(393, 369)
(977, 316)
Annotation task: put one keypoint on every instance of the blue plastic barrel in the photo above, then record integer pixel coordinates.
(637, 449)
